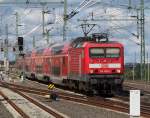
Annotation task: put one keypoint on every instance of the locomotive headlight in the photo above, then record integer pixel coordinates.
(91, 71)
(118, 71)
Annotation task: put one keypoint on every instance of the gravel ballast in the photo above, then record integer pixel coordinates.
(75, 110)
(72, 109)
(4, 113)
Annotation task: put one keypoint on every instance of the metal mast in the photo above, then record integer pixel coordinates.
(6, 62)
(16, 14)
(43, 19)
(142, 38)
(17, 33)
(33, 42)
(65, 20)
(148, 67)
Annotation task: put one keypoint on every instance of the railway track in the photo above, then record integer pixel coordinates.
(121, 105)
(143, 87)
(20, 111)
(38, 104)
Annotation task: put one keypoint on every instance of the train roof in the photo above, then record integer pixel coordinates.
(62, 47)
(83, 41)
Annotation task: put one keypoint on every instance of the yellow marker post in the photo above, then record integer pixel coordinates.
(53, 95)
(51, 86)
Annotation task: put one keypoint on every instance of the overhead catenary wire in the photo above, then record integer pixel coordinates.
(82, 5)
(33, 30)
(116, 13)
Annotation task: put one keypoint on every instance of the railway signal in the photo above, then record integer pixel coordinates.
(2, 49)
(14, 49)
(20, 43)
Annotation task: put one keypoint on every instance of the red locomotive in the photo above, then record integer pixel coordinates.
(84, 63)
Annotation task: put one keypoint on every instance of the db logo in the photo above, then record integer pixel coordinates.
(104, 65)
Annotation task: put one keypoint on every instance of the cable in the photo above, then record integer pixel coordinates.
(133, 40)
(82, 5)
(33, 30)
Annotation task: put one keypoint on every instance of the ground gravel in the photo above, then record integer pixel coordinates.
(140, 85)
(71, 109)
(4, 113)
(75, 110)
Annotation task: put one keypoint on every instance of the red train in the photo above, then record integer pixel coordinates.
(84, 63)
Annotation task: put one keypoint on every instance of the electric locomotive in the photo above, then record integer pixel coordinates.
(85, 63)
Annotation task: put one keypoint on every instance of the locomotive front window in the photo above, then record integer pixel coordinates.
(112, 52)
(97, 52)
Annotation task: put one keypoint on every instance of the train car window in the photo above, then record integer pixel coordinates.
(79, 45)
(40, 51)
(56, 70)
(39, 68)
(112, 52)
(57, 50)
(97, 52)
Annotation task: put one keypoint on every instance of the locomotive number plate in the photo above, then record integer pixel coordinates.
(104, 65)
(94, 65)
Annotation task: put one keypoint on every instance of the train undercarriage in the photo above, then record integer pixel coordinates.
(103, 86)
(92, 84)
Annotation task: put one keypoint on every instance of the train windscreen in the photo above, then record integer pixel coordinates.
(112, 52)
(104, 52)
(97, 52)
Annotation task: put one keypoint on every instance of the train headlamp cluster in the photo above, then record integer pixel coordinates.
(91, 71)
(118, 70)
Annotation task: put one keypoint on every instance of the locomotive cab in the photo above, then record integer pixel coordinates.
(105, 65)
(105, 60)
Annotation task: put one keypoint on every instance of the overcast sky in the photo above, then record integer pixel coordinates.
(30, 19)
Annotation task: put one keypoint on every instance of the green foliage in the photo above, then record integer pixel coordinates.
(137, 72)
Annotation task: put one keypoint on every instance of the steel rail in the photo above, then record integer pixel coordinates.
(20, 111)
(44, 92)
(100, 102)
(18, 91)
(57, 115)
